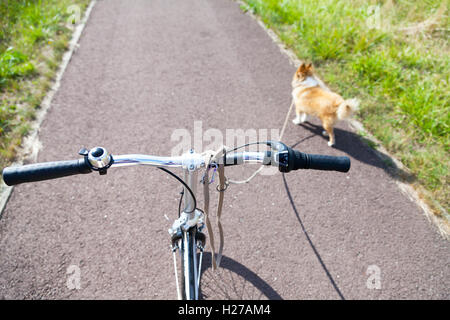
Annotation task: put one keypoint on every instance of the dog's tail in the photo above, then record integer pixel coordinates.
(347, 108)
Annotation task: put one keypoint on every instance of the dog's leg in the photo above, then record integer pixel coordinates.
(300, 117)
(328, 126)
(297, 119)
(303, 117)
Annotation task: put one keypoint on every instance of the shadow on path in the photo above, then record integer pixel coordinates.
(324, 267)
(353, 145)
(233, 281)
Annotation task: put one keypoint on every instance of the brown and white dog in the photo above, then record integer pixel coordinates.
(313, 98)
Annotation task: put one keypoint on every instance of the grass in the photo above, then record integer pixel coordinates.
(394, 56)
(34, 35)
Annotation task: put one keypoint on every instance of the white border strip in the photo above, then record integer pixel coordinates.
(31, 144)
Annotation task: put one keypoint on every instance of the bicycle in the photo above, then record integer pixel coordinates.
(187, 231)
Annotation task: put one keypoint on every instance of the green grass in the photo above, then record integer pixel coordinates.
(34, 35)
(13, 65)
(394, 56)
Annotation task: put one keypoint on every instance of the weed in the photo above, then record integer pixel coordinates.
(33, 37)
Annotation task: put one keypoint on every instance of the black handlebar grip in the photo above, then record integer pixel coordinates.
(300, 160)
(44, 171)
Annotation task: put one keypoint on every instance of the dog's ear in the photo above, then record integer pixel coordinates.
(309, 67)
(301, 68)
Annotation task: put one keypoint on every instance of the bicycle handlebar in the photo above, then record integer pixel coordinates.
(242, 157)
(98, 159)
(44, 171)
(288, 159)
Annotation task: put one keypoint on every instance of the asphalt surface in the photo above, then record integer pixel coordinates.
(147, 68)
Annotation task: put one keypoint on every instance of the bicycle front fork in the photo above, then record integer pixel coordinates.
(187, 236)
(189, 242)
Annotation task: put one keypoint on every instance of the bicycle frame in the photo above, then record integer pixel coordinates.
(185, 228)
(187, 224)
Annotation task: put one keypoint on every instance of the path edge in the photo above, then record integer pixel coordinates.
(31, 144)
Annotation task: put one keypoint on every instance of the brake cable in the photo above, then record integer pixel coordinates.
(184, 184)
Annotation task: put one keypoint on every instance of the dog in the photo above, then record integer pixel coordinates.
(311, 97)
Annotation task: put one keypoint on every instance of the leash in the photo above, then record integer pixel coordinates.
(221, 187)
(214, 157)
(286, 120)
(229, 181)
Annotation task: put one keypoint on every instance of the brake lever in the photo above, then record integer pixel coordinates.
(281, 155)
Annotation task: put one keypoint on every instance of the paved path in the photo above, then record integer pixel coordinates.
(146, 68)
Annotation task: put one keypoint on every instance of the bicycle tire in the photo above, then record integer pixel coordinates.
(189, 265)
